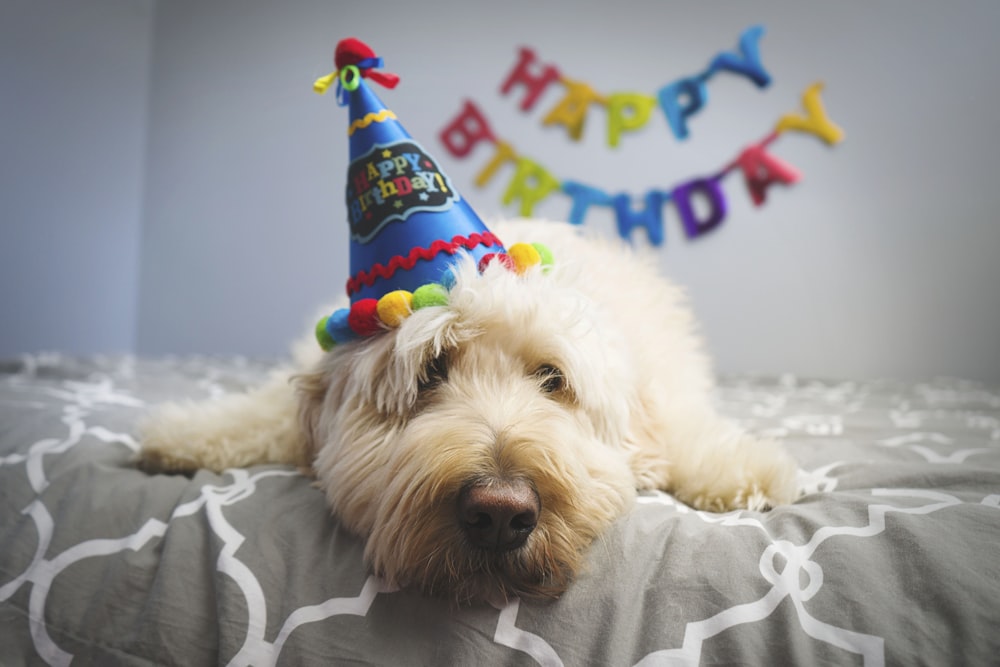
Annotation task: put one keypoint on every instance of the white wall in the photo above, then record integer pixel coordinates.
(881, 262)
(73, 90)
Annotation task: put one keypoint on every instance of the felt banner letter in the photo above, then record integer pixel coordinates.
(584, 196)
(815, 121)
(571, 110)
(531, 184)
(535, 83)
(650, 217)
(503, 154)
(761, 170)
(681, 99)
(627, 112)
(747, 61)
(467, 130)
(683, 197)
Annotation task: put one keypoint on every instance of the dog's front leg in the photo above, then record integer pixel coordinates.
(719, 467)
(234, 431)
(709, 463)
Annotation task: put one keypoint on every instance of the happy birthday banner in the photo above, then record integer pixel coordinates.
(630, 111)
(531, 182)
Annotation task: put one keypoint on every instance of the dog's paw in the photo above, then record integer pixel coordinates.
(759, 487)
(153, 458)
(758, 500)
(752, 498)
(769, 490)
(651, 471)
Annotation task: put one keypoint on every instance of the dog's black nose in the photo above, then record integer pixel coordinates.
(498, 515)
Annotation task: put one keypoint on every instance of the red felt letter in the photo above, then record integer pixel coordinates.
(467, 130)
(535, 83)
(761, 170)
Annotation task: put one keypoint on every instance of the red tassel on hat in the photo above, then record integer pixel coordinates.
(352, 51)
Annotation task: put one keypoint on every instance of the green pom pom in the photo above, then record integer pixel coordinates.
(429, 295)
(323, 337)
(545, 254)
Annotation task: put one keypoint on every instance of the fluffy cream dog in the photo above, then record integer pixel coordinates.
(482, 446)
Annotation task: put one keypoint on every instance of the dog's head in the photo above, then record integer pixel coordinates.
(480, 447)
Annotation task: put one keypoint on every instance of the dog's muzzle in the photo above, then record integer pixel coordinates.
(498, 515)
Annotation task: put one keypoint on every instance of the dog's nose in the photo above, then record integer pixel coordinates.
(498, 515)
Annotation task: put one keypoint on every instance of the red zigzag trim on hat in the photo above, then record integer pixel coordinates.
(368, 278)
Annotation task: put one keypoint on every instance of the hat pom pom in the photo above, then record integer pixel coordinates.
(394, 307)
(519, 258)
(368, 317)
(322, 337)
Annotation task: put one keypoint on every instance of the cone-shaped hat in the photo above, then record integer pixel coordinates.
(405, 216)
(408, 223)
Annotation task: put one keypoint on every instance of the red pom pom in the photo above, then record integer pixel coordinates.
(363, 318)
(503, 258)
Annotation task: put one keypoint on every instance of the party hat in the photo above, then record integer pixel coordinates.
(408, 223)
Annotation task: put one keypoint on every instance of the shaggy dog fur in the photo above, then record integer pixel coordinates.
(547, 398)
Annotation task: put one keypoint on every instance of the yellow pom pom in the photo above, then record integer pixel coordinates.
(395, 307)
(525, 256)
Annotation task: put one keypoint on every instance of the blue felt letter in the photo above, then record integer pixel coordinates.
(584, 196)
(650, 217)
(693, 90)
(747, 61)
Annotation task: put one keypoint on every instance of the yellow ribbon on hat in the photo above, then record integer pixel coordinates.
(350, 78)
(321, 84)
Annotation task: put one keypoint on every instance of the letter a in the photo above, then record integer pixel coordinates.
(571, 110)
(761, 170)
(534, 83)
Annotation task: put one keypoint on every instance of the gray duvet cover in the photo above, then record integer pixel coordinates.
(891, 557)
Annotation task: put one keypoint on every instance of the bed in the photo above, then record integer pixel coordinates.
(891, 557)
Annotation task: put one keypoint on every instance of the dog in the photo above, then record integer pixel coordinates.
(484, 444)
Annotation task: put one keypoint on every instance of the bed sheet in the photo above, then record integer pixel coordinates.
(891, 556)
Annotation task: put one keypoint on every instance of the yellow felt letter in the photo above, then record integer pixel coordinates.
(627, 112)
(504, 153)
(571, 110)
(815, 121)
(531, 184)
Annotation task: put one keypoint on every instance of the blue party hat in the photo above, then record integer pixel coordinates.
(408, 223)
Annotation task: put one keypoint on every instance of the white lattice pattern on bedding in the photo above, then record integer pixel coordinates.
(790, 570)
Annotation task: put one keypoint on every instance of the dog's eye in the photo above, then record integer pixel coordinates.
(551, 378)
(434, 373)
